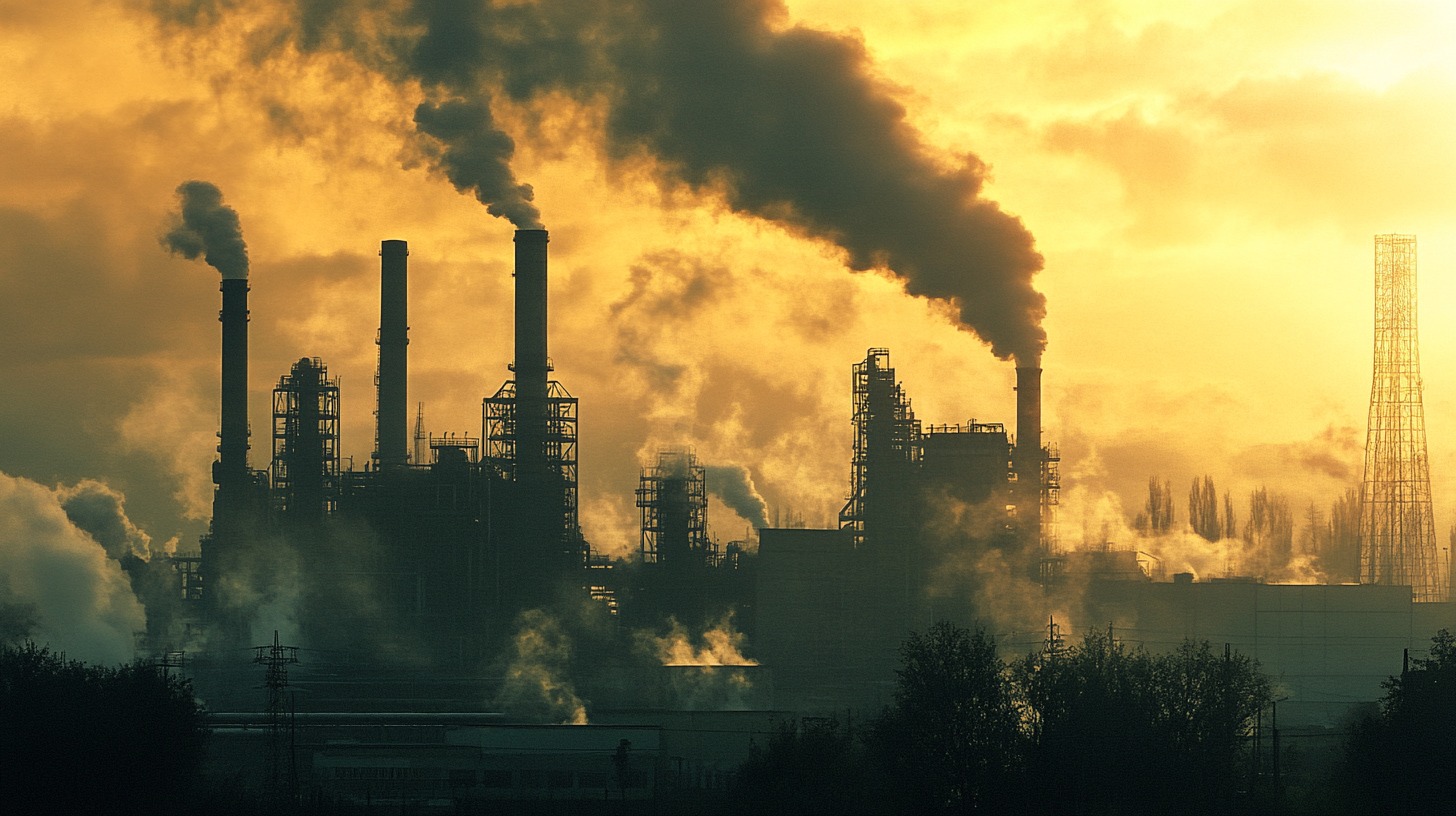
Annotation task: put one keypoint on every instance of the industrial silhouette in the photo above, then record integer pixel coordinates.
(448, 585)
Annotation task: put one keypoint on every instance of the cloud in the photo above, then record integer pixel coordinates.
(78, 599)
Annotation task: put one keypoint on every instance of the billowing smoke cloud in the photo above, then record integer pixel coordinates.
(207, 228)
(734, 485)
(785, 123)
(58, 586)
(789, 124)
(100, 511)
(476, 157)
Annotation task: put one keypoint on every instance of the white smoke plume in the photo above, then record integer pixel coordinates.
(537, 681)
(704, 673)
(721, 645)
(59, 581)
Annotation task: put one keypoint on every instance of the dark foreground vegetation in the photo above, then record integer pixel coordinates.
(91, 739)
(1100, 728)
(1096, 727)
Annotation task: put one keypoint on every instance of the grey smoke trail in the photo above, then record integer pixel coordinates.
(792, 126)
(786, 123)
(734, 485)
(476, 157)
(208, 228)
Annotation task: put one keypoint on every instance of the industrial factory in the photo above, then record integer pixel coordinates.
(446, 588)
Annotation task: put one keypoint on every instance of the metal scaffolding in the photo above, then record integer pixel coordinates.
(1051, 499)
(559, 449)
(886, 442)
(305, 469)
(673, 497)
(1397, 528)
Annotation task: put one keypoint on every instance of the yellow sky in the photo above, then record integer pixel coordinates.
(1203, 180)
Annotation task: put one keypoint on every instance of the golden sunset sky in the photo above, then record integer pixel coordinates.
(1203, 181)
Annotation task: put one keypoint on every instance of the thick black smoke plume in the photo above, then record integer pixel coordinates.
(208, 228)
(783, 122)
(477, 157)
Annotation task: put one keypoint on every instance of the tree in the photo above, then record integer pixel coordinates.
(1157, 516)
(1203, 509)
(1269, 532)
(1400, 760)
(94, 739)
(1115, 730)
(952, 740)
(809, 767)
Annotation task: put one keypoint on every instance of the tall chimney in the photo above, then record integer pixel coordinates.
(391, 442)
(232, 468)
(532, 364)
(1028, 457)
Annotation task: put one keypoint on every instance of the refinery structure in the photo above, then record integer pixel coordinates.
(433, 586)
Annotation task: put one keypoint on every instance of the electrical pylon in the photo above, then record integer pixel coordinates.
(1397, 528)
(277, 657)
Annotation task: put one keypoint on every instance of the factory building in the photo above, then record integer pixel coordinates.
(408, 576)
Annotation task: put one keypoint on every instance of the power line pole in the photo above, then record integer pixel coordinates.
(1397, 528)
(277, 658)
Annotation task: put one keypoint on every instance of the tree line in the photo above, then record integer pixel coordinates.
(1094, 727)
(1328, 540)
(1099, 727)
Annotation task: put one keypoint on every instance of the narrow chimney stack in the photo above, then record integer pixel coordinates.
(391, 444)
(1028, 457)
(232, 467)
(532, 366)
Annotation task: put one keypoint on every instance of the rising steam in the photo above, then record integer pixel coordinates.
(782, 122)
(537, 681)
(58, 585)
(207, 228)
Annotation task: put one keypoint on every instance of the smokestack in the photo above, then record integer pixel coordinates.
(232, 468)
(1028, 438)
(391, 436)
(532, 364)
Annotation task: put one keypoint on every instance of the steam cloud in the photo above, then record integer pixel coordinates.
(208, 228)
(58, 585)
(100, 511)
(785, 123)
(537, 680)
(734, 485)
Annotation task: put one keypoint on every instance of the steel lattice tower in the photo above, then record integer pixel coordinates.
(1397, 528)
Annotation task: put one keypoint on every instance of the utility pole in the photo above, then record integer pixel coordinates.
(1397, 528)
(277, 658)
